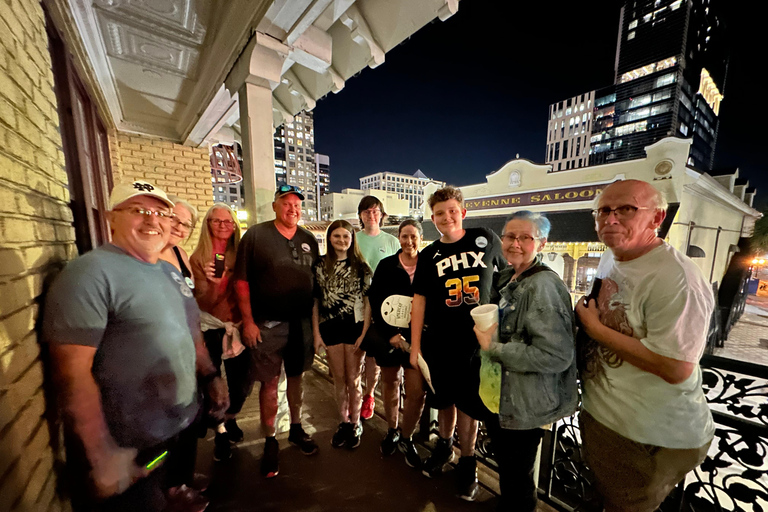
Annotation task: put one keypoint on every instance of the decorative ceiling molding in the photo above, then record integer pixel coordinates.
(147, 49)
(178, 16)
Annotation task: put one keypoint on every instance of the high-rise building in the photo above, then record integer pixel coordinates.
(670, 70)
(295, 159)
(322, 175)
(409, 187)
(568, 132)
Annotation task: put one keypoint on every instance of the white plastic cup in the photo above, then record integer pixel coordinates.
(485, 316)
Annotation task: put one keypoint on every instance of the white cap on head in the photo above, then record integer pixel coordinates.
(125, 191)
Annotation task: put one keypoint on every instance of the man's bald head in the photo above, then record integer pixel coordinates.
(647, 195)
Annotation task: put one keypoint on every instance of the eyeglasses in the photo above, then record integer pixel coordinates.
(522, 239)
(176, 222)
(371, 211)
(225, 223)
(294, 252)
(626, 211)
(137, 210)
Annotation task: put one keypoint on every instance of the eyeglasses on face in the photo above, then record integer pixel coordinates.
(175, 221)
(626, 211)
(226, 223)
(521, 239)
(139, 211)
(371, 211)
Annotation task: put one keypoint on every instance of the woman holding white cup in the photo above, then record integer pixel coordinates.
(532, 364)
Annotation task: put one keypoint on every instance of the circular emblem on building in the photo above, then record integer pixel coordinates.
(663, 167)
(481, 242)
(514, 179)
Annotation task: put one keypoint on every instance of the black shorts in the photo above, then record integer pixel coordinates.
(455, 373)
(299, 351)
(340, 331)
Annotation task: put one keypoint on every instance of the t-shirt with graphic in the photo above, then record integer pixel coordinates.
(455, 278)
(376, 248)
(142, 320)
(662, 299)
(278, 271)
(341, 293)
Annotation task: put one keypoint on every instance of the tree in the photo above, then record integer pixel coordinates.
(759, 241)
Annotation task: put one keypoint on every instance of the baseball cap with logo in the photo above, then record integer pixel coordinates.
(125, 191)
(284, 190)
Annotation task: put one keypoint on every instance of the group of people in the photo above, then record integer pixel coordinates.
(138, 332)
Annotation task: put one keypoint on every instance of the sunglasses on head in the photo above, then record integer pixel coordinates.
(288, 188)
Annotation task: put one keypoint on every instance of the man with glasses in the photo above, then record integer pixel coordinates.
(645, 421)
(274, 281)
(375, 245)
(126, 347)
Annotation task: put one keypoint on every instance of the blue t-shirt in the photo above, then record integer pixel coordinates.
(140, 317)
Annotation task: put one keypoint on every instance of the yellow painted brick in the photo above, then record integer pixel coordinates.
(64, 233)
(17, 326)
(39, 182)
(43, 255)
(130, 145)
(10, 91)
(20, 77)
(19, 358)
(24, 389)
(179, 168)
(47, 493)
(172, 152)
(183, 160)
(162, 143)
(7, 113)
(11, 262)
(131, 160)
(29, 131)
(153, 162)
(51, 149)
(19, 147)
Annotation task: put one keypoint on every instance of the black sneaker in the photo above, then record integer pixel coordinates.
(355, 433)
(301, 439)
(466, 478)
(339, 439)
(270, 466)
(222, 450)
(234, 433)
(408, 449)
(389, 444)
(441, 455)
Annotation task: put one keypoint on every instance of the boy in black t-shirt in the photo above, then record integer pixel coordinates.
(453, 276)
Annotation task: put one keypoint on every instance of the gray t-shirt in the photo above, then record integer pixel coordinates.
(140, 318)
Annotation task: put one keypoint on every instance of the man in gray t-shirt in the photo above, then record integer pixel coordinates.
(125, 343)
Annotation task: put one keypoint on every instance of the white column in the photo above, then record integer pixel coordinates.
(254, 76)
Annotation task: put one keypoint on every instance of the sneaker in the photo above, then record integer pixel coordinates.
(441, 455)
(301, 439)
(339, 439)
(408, 449)
(222, 449)
(234, 433)
(366, 411)
(389, 444)
(355, 433)
(466, 478)
(269, 462)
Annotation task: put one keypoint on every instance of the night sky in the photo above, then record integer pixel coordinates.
(461, 98)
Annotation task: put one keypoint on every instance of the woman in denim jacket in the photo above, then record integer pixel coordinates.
(532, 365)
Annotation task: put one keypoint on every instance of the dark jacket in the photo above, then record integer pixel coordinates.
(390, 278)
(536, 348)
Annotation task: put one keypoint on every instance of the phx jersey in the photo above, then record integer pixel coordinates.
(455, 278)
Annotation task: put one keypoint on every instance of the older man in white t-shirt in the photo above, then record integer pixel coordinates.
(645, 421)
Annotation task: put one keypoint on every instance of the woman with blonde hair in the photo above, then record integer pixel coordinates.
(182, 225)
(339, 323)
(212, 265)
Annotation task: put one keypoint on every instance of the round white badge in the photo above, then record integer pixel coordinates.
(481, 242)
(176, 277)
(305, 247)
(190, 283)
(185, 291)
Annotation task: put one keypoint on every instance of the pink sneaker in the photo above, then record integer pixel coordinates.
(366, 411)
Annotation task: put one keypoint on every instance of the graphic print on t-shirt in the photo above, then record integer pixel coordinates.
(613, 313)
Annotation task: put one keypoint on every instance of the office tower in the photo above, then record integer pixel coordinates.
(295, 159)
(410, 187)
(322, 176)
(568, 132)
(670, 72)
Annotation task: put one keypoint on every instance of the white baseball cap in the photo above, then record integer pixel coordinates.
(125, 191)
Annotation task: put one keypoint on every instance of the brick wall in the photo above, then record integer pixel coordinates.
(36, 236)
(180, 170)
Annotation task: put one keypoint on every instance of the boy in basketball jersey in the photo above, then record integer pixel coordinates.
(453, 276)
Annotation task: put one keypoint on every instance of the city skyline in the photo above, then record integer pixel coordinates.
(463, 97)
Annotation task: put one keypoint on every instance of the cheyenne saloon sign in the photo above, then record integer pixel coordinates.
(562, 195)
